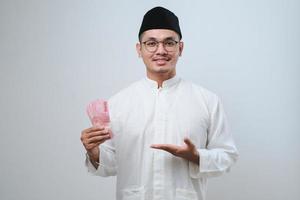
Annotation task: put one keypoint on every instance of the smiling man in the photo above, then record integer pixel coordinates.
(160, 49)
(170, 135)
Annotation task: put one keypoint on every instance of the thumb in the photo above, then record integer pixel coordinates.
(188, 142)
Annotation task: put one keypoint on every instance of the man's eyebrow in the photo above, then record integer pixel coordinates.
(151, 38)
(170, 38)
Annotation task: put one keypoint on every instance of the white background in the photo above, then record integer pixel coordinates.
(57, 55)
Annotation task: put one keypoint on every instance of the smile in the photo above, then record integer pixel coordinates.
(161, 61)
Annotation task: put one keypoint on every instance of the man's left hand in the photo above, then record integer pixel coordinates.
(187, 151)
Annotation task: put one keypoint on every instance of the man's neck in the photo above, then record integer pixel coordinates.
(160, 78)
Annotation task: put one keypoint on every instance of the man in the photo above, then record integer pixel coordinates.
(169, 135)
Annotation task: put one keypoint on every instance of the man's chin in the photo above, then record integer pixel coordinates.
(162, 69)
(165, 69)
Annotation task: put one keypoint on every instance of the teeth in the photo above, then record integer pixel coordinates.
(160, 60)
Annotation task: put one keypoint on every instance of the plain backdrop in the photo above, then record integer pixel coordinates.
(57, 55)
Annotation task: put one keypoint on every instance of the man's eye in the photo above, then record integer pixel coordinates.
(169, 43)
(151, 44)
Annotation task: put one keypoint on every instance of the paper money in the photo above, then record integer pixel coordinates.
(98, 113)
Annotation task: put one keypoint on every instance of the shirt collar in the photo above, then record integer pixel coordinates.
(166, 84)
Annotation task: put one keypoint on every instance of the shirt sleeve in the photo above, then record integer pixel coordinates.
(220, 152)
(107, 161)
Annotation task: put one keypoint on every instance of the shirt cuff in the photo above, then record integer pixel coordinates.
(90, 166)
(107, 165)
(194, 169)
(205, 167)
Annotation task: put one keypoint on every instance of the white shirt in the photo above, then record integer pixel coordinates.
(142, 115)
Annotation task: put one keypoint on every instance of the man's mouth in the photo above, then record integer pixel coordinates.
(161, 61)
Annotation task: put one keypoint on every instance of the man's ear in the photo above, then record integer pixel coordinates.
(181, 45)
(138, 49)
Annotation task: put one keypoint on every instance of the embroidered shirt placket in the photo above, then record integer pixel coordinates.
(158, 139)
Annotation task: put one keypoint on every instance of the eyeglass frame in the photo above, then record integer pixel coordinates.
(157, 44)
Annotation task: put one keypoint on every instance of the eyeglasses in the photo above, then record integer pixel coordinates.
(152, 45)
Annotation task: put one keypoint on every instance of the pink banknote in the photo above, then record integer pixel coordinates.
(98, 113)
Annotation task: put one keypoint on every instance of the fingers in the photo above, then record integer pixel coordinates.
(188, 151)
(93, 128)
(93, 131)
(161, 146)
(174, 149)
(94, 136)
(98, 139)
(91, 146)
(90, 143)
(97, 133)
(171, 148)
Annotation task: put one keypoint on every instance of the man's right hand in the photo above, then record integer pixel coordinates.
(91, 138)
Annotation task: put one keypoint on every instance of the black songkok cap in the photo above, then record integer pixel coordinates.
(160, 18)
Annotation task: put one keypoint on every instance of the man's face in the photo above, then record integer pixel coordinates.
(162, 60)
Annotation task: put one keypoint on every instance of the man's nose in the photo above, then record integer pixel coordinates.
(161, 49)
